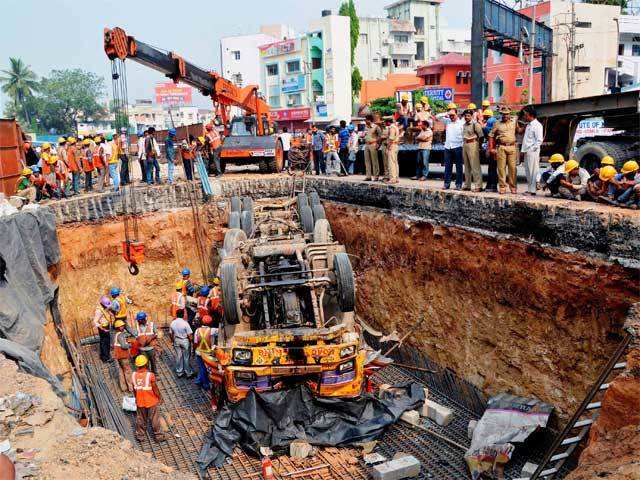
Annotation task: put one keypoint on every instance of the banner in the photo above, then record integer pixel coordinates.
(442, 94)
(293, 84)
(291, 114)
(171, 94)
(279, 48)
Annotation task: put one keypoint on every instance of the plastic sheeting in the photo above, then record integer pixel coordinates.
(275, 419)
(28, 246)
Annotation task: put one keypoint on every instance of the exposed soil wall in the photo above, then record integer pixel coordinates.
(504, 314)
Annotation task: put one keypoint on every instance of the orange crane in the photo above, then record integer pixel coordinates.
(247, 139)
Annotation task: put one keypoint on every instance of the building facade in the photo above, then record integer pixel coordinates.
(240, 58)
(628, 72)
(454, 40)
(451, 71)
(308, 78)
(424, 15)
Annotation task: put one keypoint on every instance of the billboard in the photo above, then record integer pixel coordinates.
(291, 114)
(279, 48)
(442, 94)
(171, 94)
(293, 84)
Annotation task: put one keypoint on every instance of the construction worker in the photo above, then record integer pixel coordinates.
(121, 352)
(45, 154)
(170, 153)
(38, 181)
(25, 187)
(113, 158)
(146, 336)
(204, 303)
(623, 188)
(502, 144)
(189, 290)
(119, 304)
(99, 163)
(102, 320)
(573, 183)
(550, 178)
(87, 164)
(393, 140)
(214, 144)
(148, 399)
(472, 136)
(182, 339)
(371, 139)
(204, 340)
(123, 150)
(178, 301)
(74, 166)
(402, 111)
(598, 185)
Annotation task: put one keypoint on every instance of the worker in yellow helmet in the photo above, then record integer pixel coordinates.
(121, 352)
(178, 301)
(403, 110)
(471, 106)
(25, 186)
(148, 398)
(598, 185)
(625, 186)
(573, 182)
(549, 179)
(452, 106)
(486, 104)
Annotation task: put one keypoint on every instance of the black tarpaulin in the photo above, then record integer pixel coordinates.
(275, 419)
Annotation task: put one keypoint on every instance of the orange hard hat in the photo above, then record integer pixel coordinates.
(206, 320)
(209, 127)
(26, 145)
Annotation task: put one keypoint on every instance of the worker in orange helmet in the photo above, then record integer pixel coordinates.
(203, 340)
(148, 399)
(214, 145)
(121, 352)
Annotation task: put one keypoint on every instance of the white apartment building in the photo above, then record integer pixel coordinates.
(308, 78)
(424, 15)
(628, 72)
(144, 114)
(240, 58)
(455, 40)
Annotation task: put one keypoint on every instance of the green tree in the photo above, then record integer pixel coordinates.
(356, 82)
(19, 84)
(348, 9)
(384, 106)
(68, 95)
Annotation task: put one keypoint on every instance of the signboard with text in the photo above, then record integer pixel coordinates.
(171, 94)
(279, 48)
(293, 84)
(442, 94)
(291, 114)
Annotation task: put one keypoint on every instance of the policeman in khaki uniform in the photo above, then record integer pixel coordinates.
(384, 150)
(371, 138)
(502, 143)
(472, 136)
(393, 137)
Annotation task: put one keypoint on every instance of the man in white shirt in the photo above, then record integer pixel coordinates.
(182, 337)
(453, 148)
(533, 137)
(285, 140)
(141, 154)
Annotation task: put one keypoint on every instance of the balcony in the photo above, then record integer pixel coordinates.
(400, 48)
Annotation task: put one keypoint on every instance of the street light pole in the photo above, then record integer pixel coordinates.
(532, 45)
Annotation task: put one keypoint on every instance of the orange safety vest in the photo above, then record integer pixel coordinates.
(203, 346)
(146, 332)
(145, 396)
(71, 159)
(98, 158)
(175, 303)
(119, 353)
(203, 306)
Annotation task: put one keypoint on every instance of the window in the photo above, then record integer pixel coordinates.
(395, 62)
(465, 79)
(635, 50)
(497, 56)
(404, 63)
(272, 69)
(316, 62)
(419, 50)
(236, 54)
(385, 62)
(364, 38)
(459, 76)
(274, 101)
(418, 22)
(401, 38)
(497, 89)
(519, 82)
(621, 49)
(237, 79)
(294, 100)
(293, 66)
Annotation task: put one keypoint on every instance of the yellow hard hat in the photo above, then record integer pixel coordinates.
(424, 99)
(452, 105)
(71, 140)
(201, 139)
(97, 139)
(86, 141)
(27, 171)
(62, 140)
(404, 97)
(486, 103)
(52, 159)
(488, 112)
(179, 285)
(607, 173)
(556, 158)
(118, 324)
(141, 361)
(607, 160)
(571, 165)
(630, 167)
(216, 281)
(46, 146)
(472, 106)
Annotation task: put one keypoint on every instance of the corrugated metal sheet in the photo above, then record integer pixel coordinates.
(11, 160)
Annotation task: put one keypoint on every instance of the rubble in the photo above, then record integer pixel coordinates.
(403, 467)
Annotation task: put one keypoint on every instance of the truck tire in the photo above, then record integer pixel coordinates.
(322, 232)
(246, 221)
(314, 198)
(247, 204)
(230, 297)
(263, 165)
(306, 219)
(590, 154)
(346, 282)
(236, 204)
(223, 165)
(278, 160)
(232, 240)
(318, 212)
(302, 201)
(234, 220)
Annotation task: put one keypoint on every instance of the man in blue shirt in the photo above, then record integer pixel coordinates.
(317, 146)
(170, 151)
(343, 152)
(488, 120)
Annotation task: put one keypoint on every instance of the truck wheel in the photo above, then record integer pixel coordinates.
(247, 204)
(236, 204)
(277, 163)
(246, 220)
(322, 232)
(318, 212)
(306, 219)
(232, 240)
(590, 154)
(263, 165)
(230, 297)
(314, 198)
(302, 201)
(346, 282)
(234, 220)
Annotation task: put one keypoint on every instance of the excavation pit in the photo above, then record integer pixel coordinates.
(505, 312)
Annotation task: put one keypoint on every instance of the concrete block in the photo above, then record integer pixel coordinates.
(411, 416)
(300, 449)
(528, 469)
(405, 467)
(373, 458)
(438, 413)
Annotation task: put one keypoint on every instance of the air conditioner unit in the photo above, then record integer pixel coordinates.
(291, 102)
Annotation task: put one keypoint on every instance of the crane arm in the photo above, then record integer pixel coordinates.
(117, 44)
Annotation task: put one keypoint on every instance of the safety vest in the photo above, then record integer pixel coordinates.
(203, 333)
(145, 396)
(72, 160)
(203, 306)
(106, 317)
(177, 303)
(98, 158)
(122, 313)
(119, 353)
(147, 331)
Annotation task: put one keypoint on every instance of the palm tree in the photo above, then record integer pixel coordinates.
(19, 84)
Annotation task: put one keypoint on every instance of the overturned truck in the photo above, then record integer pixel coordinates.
(288, 294)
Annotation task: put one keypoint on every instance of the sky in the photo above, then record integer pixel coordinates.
(59, 34)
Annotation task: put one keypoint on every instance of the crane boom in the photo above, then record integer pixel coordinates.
(117, 44)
